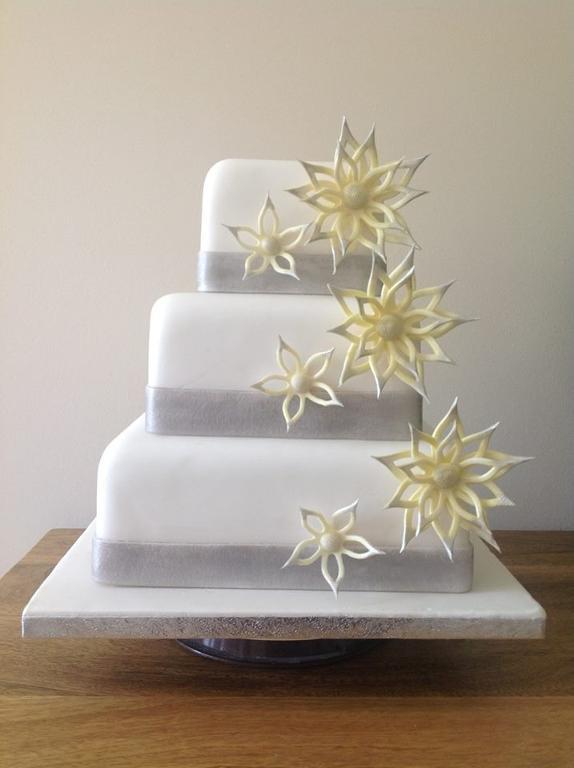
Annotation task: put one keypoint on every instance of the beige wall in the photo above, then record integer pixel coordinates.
(113, 110)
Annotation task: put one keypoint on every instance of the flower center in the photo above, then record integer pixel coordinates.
(331, 542)
(446, 476)
(300, 383)
(355, 196)
(271, 245)
(389, 327)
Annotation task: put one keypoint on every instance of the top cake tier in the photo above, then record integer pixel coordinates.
(234, 194)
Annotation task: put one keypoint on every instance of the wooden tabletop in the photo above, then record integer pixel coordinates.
(408, 704)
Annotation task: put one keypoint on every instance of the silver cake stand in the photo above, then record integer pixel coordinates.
(278, 653)
(269, 627)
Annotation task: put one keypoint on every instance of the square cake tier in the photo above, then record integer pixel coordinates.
(195, 511)
(207, 350)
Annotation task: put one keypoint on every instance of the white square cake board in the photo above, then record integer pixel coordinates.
(71, 604)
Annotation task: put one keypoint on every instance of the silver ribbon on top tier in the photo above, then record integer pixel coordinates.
(222, 272)
(238, 413)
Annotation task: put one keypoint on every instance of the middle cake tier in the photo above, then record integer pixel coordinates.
(208, 349)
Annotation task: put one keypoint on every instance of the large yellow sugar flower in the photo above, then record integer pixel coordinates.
(358, 199)
(448, 481)
(393, 327)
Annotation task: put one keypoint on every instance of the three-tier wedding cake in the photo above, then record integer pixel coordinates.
(283, 445)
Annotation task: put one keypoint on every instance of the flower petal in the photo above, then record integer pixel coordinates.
(422, 444)
(370, 309)
(282, 384)
(318, 363)
(317, 395)
(398, 236)
(346, 138)
(398, 500)
(302, 192)
(366, 154)
(255, 264)
(291, 419)
(288, 359)
(370, 343)
(245, 236)
(381, 377)
(308, 516)
(349, 512)
(412, 526)
(268, 221)
(345, 169)
(289, 264)
(402, 276)
(445, 539)
(293, 236)
(367, 551)
(342, 295)
(326, 201)
(449, 421)
(333, 582)
(377, 273)
(338, 250)
(295, 557)
(316, 169)
(437, 354)
(352, 366)
(486, 535)
(498, 498)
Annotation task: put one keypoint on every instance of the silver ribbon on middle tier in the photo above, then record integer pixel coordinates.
(239, 413)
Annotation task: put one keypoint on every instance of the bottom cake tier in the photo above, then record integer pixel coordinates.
(225, 512)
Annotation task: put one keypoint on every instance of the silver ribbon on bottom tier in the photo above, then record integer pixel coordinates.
(169, 564)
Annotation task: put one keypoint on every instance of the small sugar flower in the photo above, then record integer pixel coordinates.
(269, 246)
(331, 538)
(299, 382)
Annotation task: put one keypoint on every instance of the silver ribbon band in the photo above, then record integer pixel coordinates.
(221, 271)
(149, 564)
(236, 413)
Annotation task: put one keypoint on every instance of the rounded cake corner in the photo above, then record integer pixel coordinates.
(218, 168)
(164, 304)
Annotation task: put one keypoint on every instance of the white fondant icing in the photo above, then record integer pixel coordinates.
(240, 491)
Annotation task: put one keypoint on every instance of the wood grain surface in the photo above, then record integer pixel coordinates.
(408, 704)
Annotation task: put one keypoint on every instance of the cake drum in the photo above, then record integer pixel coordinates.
(277, 627)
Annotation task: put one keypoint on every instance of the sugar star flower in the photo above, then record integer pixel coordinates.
(269, 246)
(358, 200)
(299, 382)
(389, 324)
(331, 538)
(448, 481)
